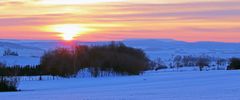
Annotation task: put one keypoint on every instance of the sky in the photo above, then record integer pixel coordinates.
(104, 20)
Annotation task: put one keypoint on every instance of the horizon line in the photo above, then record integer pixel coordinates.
(59, 40)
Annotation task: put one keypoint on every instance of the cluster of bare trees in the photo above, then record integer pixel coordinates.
(179, 61)
(9, 52)
(189, 61)
(200, 61)
(113, 58)
(158, 64)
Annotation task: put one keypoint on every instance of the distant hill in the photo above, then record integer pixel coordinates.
(164, 48)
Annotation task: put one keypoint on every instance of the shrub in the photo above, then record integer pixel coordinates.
(7, 81)
(8, 84)
(234, 64)
(203, 61)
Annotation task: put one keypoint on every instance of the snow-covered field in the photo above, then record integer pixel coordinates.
(168, 84)
(188, 85)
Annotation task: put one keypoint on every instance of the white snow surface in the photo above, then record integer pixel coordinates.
(169, 84)
(159, 85)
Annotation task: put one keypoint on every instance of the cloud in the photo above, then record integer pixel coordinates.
(131, 19)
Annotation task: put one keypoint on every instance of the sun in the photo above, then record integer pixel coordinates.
(69, 31)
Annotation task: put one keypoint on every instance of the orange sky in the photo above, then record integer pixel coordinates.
(187, 20)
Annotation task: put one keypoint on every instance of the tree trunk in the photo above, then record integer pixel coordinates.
(201, 68)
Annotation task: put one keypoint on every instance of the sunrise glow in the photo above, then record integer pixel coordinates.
(185, 20)
(119, 49)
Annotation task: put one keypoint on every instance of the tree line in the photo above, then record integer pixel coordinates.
(200, 61)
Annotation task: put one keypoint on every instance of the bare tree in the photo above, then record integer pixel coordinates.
(159, 64)
(189, 60)
(203, 61)
(177, 61)
(220, 62)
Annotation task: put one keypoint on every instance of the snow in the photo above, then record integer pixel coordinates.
(169, 84)
(187, 85)
(20, 60)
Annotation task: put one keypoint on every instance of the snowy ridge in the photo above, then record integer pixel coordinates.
(31, 50)
(28, 55)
